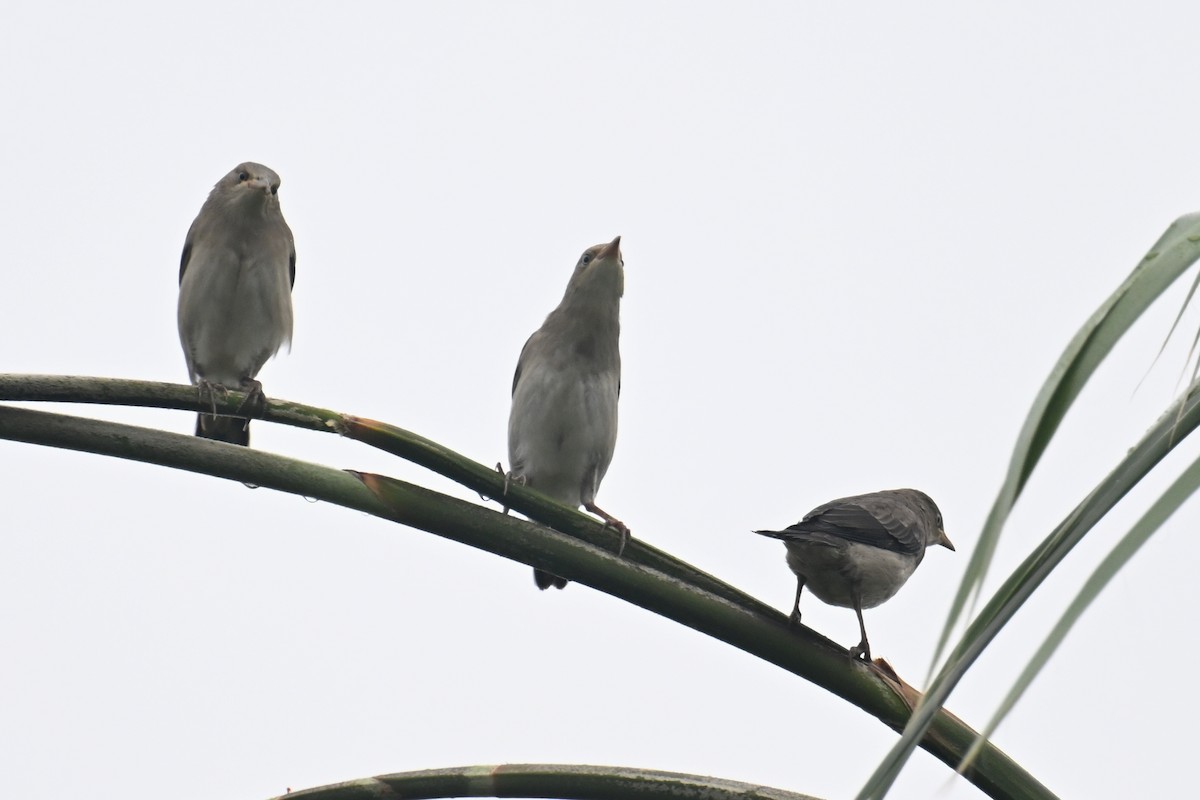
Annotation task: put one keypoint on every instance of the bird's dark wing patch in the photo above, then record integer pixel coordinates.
(521, 361)
(183, 259)
(810, 537)
(878, 524)
(292, 269)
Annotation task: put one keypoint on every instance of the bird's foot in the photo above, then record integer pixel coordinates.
(794, 619)
(509, 478)
(862, 650)
(611, 522)
(209, 391)
(255, 402)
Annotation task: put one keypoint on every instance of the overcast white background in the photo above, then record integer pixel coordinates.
(855, 241)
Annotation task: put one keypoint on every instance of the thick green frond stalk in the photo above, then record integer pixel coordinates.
(1180, 419)
(748, 625)
(566, 781)
(1175, 251)
(389, 438)
(154, 394)
(1166, 505)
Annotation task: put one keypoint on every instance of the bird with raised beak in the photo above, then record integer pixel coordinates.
(858, 551)
(235, 293)
(562, 429)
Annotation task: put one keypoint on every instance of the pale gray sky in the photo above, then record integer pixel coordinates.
(855, 241)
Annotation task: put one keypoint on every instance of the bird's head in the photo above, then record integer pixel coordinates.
(935, 529)
(600, 271)
(248, 183)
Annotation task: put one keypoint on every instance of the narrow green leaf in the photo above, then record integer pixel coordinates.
(1166, 505)
(1187, 300)
(1176, 250)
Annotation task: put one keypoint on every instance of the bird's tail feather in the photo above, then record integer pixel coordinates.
(777, 534)
(223, 429)
(545, 580)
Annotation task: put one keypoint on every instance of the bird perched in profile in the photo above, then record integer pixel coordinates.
(562, 429)
(858, 551)
(235, 292)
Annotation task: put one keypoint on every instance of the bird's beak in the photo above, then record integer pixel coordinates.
(262, 184)
(944, 540)
(611, 249)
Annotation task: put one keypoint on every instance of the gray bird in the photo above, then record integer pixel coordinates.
(562, 429)
(858, 551)
(235, 292)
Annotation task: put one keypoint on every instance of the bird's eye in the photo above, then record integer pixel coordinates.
(243, 176)
(587, 258)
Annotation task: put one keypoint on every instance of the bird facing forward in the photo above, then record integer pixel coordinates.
(562, 429)
(235, 292)
(858, 551)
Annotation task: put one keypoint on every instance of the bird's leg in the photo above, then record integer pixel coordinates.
(611, 522)
(794, 619)
(862, 649)
(255, 402)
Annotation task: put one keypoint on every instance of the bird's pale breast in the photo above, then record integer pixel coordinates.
(563, 430)
(235, 311)
(837, 573)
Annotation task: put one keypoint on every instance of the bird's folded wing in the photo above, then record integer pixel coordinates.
(879, 523)
(528, 353)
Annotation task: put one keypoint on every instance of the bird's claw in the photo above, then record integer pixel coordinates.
(509, 478)
(611, 522)
(861, 651)
(255, 402)
(622, 531)
(209, 391)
